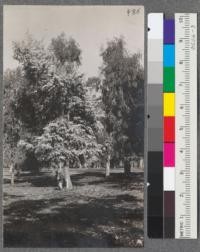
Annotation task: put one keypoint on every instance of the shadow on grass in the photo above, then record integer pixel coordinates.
(39, 180)
(39, 223)
(91, 178)
(119, 180)
(115, 179)
(6, 181)
(11, 196)
(82, 221)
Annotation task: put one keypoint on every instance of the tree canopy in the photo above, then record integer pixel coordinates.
(123, 90)
(52, 113)
(50, 99)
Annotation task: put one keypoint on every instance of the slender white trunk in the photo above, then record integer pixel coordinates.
(141, 164)
(67, 177)
(12, 174)
(108, 166)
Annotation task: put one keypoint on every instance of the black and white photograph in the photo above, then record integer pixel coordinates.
(73, 116)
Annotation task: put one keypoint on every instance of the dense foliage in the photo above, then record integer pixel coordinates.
(49, 103)
(51, 114)
(122, 89)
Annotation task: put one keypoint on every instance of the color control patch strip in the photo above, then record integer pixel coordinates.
(169, 128)
(172, 126)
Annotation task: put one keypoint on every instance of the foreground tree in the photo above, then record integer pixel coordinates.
(50, 102)
(122, 90)
(64, 142)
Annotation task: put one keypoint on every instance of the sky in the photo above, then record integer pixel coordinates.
(90, 26)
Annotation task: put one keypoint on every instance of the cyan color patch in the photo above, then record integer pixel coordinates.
(169, 55)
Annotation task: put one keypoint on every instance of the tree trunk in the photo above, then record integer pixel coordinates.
(12, 174)
(108, 166)
(67, 115)
(141, 164)
(67, 176)
(127, 167)
(79, 165)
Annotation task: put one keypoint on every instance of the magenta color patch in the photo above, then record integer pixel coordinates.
(169, 155)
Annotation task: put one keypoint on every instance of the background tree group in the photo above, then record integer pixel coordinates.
(50, 117)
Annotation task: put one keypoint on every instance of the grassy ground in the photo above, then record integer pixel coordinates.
(97, 212)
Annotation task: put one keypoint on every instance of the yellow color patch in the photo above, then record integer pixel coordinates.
(169, 104)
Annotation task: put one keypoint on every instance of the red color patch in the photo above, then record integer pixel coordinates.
(169, 129)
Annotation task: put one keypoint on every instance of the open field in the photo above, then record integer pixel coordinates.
(97, 212)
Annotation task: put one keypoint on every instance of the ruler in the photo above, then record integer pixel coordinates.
(186, 126)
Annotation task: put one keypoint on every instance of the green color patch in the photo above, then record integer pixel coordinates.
(169, 79)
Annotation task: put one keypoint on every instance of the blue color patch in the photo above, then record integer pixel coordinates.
(169, 55)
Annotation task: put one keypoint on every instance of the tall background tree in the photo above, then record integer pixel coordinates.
(123, 95)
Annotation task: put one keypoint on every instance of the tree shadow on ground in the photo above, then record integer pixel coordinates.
(11, 196)
(115, 179)
(49, 223)
(91, 178)
(39, 180)
(77, 220)
(6, 181)
(120, 180)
